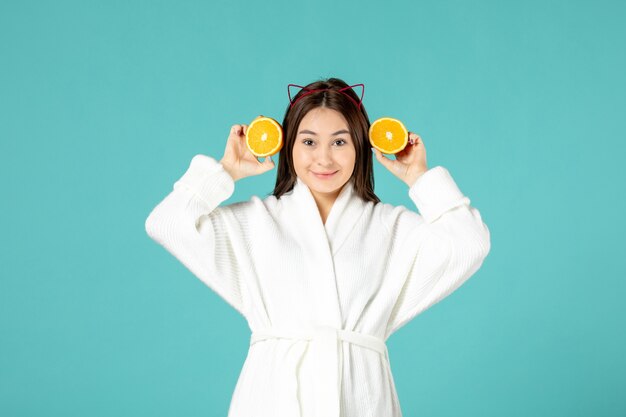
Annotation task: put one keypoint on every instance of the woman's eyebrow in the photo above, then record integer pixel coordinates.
(313, 133)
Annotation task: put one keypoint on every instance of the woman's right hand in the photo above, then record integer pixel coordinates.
(238, 161)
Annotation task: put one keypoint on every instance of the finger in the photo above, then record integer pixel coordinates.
(404, 152)
(234, 137)
(244, 128)
(415, 139)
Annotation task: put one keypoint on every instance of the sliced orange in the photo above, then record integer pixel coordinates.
(388, 135)
(264, 136)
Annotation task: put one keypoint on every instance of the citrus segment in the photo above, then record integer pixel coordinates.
(388, 135)
(264, 136)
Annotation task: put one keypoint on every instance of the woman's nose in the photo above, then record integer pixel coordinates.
(323, 156)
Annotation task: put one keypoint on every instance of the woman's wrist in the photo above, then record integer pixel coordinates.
(413, 180)
(229, 170)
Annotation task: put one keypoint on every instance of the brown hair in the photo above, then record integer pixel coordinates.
(358, 123)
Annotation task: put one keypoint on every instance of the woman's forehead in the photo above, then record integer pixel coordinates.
(323, 121)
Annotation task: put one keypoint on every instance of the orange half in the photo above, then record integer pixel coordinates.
(264, 136)
(388, 135)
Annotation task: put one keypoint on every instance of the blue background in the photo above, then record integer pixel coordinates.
(103, 105)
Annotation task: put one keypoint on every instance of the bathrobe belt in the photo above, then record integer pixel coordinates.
(326, 352)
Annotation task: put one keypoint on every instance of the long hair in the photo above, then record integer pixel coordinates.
(358, 122)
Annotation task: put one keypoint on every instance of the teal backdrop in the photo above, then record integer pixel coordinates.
(103, 104)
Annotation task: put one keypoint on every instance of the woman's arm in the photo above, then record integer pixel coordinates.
(444, 246)
(206, 238)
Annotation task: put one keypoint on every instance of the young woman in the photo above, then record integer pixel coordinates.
(321, 269)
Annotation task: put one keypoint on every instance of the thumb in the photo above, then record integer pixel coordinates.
(268, 163)
(386, 162)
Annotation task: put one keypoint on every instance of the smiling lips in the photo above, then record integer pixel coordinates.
(324, 175)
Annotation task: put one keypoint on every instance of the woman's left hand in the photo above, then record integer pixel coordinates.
(410, 163)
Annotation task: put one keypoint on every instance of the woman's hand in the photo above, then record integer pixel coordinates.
(410, 163)
(238, 161)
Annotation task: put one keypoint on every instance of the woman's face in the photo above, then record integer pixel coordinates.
(323, 145)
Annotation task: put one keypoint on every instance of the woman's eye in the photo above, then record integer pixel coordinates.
(306, 141)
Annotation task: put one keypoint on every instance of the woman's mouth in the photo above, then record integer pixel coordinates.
(324, 175)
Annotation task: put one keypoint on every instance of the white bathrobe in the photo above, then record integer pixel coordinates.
(320, 299)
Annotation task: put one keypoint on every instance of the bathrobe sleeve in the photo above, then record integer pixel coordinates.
(206, 238)
(443, 246)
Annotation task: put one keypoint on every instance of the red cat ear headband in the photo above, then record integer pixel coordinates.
(310, 91)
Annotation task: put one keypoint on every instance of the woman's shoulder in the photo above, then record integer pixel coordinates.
(254, 206)
(394, 216)
(388, 210)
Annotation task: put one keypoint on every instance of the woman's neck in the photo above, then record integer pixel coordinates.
(325, 203)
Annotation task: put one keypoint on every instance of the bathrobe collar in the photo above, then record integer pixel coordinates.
(321, 242)
(346, 210)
